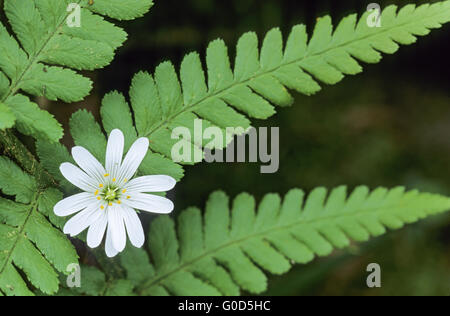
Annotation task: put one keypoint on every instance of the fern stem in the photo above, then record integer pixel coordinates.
(15, 149)
(33, 208)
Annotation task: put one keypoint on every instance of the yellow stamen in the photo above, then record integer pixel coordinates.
(96, 192)
(125, 180)
(110, 204)
(106, 175)
(128, 197)
(114, 180)
(101, 185)
(124, 191)
(119, 202)
(99, 198)
(102, 207)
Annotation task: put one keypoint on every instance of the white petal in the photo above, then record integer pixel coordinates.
(134, 227)
(97, 231)
(88, 163)
(114, 153)
(109, 247)
(82, 220)
(150, 203)
(117, 227)
(133, 159)
(74, 204)
(77, 177)
(149, 184)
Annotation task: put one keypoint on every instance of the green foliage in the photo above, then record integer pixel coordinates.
(95, 283)
(41, 59)
(30, 246)
(39, 63)
(87, 132)
(260, 78)
(224, 250)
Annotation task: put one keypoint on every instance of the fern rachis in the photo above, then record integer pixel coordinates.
(296, 230)
(324, 25)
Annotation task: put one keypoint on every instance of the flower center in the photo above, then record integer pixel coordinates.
(111, 193)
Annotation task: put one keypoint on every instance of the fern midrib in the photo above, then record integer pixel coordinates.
(33, 208)
(216, 94)
(23, 156)
(300, 222)
(15, 85)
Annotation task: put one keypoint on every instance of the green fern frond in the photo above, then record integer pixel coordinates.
(39, 58)
(30, 245)
(224, 251)
(260, 79)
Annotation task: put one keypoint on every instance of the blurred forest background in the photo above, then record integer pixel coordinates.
(388, 126)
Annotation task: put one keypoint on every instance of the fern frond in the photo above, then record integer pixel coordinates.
(29, 244)
(224, 251)
(41, 60)
(260, 79)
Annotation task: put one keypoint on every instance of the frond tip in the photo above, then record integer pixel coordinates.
(226, 250)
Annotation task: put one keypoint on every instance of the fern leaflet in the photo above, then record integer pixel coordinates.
(224, 250)
(39, 61)
(260, 79)
(28, 241)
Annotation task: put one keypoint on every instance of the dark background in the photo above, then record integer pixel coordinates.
(388, 126)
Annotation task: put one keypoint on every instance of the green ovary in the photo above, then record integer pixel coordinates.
(111, 194)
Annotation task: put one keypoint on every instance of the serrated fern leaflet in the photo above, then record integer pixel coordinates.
(39, 61)
(260, 79)
(226, 250)
(28, 241)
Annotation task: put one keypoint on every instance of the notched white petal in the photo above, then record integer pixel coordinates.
(133, 226)
(73, 204)
(133, 159)
(97, 230)
(109, 247)
(114, 152)
(82, 220)
(77, 177)
(88, 163)
(150, 203)
(117, 226)
(147, 184)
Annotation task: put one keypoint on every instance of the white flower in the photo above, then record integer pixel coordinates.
(111, 196)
